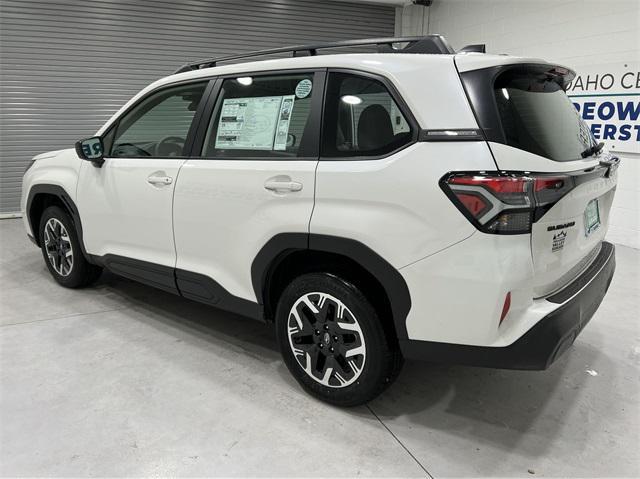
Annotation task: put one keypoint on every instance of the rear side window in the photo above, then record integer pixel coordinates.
(538, 117)
(361, 118)
(262, 116)
(158, 125)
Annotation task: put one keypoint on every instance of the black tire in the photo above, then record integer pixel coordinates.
(76, 273)
(346, 386)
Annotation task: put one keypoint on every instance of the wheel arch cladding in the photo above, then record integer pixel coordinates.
(288, 255)
(42, 196)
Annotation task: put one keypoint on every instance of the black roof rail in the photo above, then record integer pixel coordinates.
(424, 44)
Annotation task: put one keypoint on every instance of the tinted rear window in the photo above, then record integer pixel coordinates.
(361, 118)
(537, 116)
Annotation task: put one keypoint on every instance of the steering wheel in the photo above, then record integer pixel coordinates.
(170, 146)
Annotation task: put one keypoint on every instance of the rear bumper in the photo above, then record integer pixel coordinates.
(539, 347)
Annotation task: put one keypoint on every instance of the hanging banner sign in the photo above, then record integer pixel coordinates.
(607, 96)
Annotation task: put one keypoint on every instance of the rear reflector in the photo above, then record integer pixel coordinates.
(505, 203)
(506, 306)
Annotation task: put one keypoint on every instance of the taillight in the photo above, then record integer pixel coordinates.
(475, 204)
(505, 203)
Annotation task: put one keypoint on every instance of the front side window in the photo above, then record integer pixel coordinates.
(361, 118)
(262, 116)
(158, 125)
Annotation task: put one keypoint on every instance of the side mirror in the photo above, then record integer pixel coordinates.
(91, 149)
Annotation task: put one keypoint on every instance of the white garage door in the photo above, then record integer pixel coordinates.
(67, 66)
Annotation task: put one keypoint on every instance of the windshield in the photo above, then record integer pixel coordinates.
(537, 116)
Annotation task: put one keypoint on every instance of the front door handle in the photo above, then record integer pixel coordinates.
(160, 180)
(281, 184)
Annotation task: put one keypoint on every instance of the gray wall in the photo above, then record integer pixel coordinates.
(67, 66)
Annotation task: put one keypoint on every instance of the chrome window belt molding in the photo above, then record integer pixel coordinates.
(451, 135)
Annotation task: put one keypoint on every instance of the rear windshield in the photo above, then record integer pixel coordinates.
(537, 116)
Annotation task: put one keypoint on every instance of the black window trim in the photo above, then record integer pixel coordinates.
(209, 85)
(400, 102)
(197, 131)
(314, 125)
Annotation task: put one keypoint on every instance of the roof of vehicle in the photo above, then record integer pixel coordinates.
(471, 56)
(380, 63)
(433, 43)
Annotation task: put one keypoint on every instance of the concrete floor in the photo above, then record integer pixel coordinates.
(121, 379)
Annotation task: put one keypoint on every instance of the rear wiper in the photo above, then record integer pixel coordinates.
(593, 150)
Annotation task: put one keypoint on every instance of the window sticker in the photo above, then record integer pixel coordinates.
(282, 131)
(249, 123)
(303, 88)
(400, 125)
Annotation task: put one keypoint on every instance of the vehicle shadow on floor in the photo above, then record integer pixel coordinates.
(493, 407)
(484, 405)
(200, 320)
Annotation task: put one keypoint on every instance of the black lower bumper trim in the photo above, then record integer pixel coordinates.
(539, 347)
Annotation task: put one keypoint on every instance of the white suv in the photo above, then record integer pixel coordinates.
(444, 206)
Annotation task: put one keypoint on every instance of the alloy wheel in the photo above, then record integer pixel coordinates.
(326, 340)
(57, 244)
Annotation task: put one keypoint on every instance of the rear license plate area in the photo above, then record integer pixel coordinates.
(591, 217)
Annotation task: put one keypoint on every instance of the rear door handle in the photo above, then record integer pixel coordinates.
(160, 180)
(280, 184)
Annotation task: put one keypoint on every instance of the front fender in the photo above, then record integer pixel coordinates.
(59, 169)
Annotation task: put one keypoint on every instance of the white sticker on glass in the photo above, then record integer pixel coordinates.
(248, 123)
(303, 88)
(282, 131)
(258, 123)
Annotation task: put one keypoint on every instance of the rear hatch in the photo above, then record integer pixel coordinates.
(533, 129)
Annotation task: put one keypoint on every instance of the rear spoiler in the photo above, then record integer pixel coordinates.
(476, 48)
